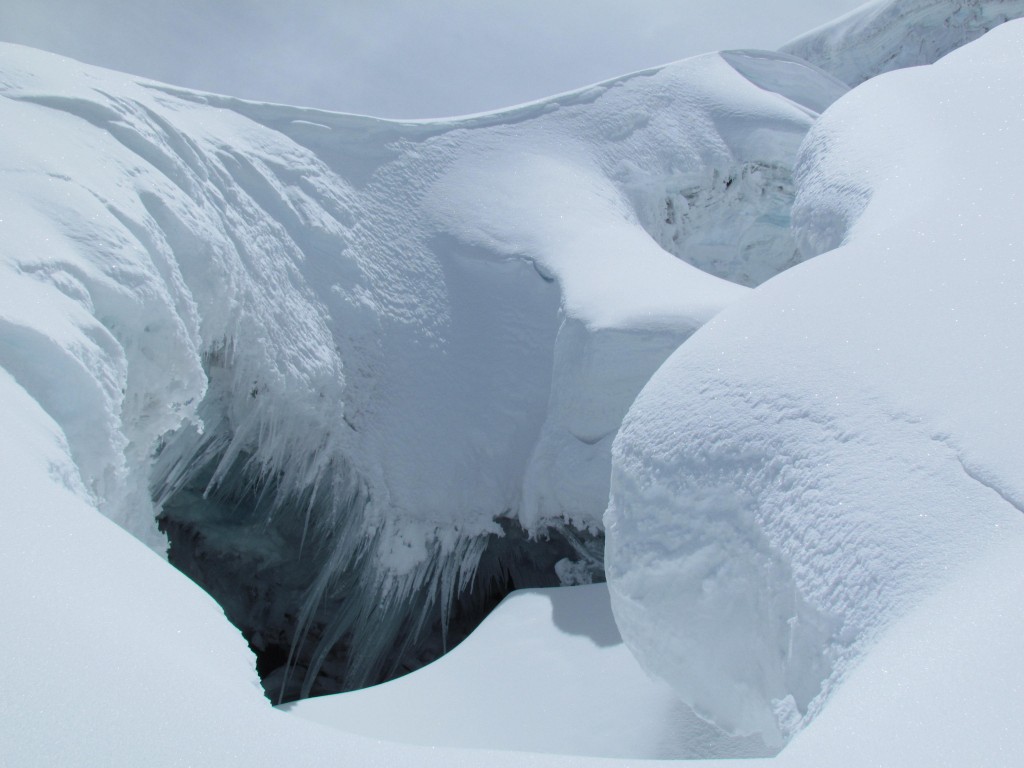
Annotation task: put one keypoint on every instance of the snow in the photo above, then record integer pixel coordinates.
(843, 442)
(396, 334)
(393, 59)
(546, 659)
(111, 656)
(884, 35)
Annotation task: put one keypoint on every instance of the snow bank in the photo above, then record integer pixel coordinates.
(552, 663)
(111, 657)
(940, 689)
(844, 441)
(889, 34)
(387, 335)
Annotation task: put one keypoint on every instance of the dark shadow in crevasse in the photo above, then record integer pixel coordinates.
(252, 560)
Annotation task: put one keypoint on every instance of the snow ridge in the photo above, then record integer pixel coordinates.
(884, 35)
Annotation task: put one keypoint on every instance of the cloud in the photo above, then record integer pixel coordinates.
(400, 58)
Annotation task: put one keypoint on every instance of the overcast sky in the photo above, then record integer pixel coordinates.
(400, 58)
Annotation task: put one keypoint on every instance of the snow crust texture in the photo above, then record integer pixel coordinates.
(844, 441)
(890, 34)
(388, 334)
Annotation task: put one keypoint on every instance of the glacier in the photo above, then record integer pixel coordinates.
(368, 375)
(366, 354)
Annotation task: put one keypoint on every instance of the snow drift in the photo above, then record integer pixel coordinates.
(844, 441)
(353, 360)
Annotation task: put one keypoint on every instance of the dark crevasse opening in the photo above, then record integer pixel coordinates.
(314, 635)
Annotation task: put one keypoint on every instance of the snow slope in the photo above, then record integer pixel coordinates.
(111, 656)
(940, 689)
(844, 442)
(386, 335)
(552, 663)
(884, 35)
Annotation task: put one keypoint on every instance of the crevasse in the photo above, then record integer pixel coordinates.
(368, 373)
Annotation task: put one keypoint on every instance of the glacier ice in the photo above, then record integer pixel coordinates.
(363, 351)
(843, 443)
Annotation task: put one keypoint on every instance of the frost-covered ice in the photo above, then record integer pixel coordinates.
(922, 698)
(845, 440)
(884, 35)
(390, 334)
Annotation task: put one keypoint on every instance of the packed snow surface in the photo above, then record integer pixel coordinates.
(940, 689)
(845, 440)
(111, 656)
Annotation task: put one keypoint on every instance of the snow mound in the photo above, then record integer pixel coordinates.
(844, 441)
(890, 34)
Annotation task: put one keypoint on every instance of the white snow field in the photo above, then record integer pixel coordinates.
(941, 688)
(408, 340)
(845, 441)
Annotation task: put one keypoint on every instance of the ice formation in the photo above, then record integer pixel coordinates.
(846, 439)
(884, 35)
(362, 351)
(534, 659)
(360, 362)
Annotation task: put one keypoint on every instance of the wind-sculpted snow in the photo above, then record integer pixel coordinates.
(845, 441)
(361, 350)
(890, 34)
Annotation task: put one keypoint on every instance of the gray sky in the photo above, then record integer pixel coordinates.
(400, 58)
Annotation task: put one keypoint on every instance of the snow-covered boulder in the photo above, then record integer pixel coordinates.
(845, 440)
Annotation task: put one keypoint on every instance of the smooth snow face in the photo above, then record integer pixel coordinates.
(885, 35)
(545, 672)
(113, 657)
(733, 220)
(389, 334)
(844, 441)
